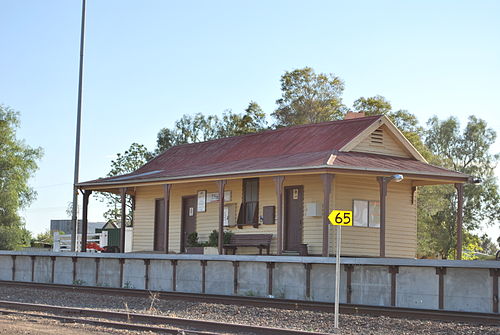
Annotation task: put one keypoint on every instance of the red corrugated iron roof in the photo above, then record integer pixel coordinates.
(375, 162)
(284, 141)
(299, 147)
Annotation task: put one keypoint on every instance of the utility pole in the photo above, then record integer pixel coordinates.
(74, 220)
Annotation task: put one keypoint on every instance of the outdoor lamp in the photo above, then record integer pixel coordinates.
(397, 178)
(386, 180)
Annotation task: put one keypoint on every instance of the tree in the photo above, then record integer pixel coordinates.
(469, 152)
(487, 245)
(466, 151)
(136, 156)
(18, 162)
(44, 238)
(199, 128)
(69, 210)
(307, 97)
(188, 129)
(310, 98)
(253, 120)
(471, 248)
(377, 105)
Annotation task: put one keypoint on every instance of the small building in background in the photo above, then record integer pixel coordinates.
(66, 227)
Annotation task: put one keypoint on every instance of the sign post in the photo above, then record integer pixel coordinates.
(339, 219)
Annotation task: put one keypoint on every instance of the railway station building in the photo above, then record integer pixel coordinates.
(282, 184)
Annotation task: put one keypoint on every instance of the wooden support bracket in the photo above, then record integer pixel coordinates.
(122, 261)
(146, 273)
(203, 264)
(349, 268)
(74, 260)
(174, 274)
(33, 268)
(393, 270)
(53, 270)
(97, 265)
(441, 271)
(495, 273)
(308, 267)
(236, 265)
(13, 267)
(270, 267)
(413, 191)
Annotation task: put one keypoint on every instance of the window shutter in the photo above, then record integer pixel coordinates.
(241, 216)
(255, 220)
(269, 214)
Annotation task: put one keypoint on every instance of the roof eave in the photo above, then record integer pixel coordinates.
(411, 174)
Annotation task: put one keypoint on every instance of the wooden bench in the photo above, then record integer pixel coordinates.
(261, 241)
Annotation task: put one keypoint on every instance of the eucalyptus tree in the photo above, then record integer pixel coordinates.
(130, 160)
(466, 150)
(309, 97)
(18, 162)
(199, 128)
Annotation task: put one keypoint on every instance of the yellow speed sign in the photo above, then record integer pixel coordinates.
(340, 218)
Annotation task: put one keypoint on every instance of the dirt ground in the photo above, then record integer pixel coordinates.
(21, 325)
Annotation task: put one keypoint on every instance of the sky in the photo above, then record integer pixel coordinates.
(149, 62)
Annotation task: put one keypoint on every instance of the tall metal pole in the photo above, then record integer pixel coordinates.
(74, 221)
(337, 277)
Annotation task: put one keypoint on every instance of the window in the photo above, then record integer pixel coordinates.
(360, 209)
(374, 214)
(249, 211)
(366, 213)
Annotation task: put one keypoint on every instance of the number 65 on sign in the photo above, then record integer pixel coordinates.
(340, 218)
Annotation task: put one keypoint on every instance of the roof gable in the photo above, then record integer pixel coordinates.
(381, 141)
(397, 144)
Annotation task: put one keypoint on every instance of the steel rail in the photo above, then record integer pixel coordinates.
(185, 296)
(109, 324)
(399, 312)
(146, 319)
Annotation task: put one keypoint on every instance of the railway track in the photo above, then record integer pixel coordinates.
(140, 322)
(413, 313)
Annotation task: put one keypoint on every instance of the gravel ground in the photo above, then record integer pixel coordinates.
(268, 317)
(22, 325)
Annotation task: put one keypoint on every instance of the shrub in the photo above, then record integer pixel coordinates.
(192, 240)
(213, 238)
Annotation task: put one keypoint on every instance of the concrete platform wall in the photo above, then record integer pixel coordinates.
(429, 284)
(371, 285)
(417, 288)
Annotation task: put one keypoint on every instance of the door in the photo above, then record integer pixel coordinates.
(294, 213)
(159, 233)
(188, 219)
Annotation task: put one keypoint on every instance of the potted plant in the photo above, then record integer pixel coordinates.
(193, 245)
(211, 247)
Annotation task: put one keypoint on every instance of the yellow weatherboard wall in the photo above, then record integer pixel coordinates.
(401, 217)
(356, 241)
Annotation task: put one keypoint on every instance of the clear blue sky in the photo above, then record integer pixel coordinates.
(149, 62)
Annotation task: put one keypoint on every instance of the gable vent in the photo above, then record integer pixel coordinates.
(377, 137)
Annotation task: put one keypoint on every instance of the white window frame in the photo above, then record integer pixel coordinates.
(368, 205)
